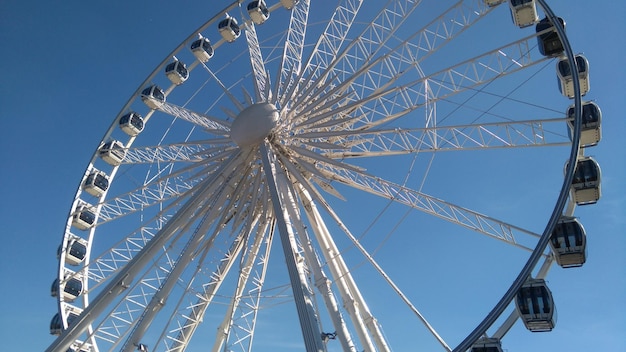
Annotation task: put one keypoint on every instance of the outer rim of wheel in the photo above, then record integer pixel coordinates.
(114, 125)
(540, 248)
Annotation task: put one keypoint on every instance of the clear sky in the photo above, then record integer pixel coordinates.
(69, 67)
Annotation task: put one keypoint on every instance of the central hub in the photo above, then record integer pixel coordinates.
(253, 124)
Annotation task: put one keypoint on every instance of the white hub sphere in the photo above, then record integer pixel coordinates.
(253, 124)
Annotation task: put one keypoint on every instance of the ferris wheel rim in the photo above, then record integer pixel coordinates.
(559, 207)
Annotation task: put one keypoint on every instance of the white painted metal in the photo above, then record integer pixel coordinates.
(333, 98)
(303, 294)
(291, 59)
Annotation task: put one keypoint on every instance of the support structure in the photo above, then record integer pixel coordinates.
(302, 293)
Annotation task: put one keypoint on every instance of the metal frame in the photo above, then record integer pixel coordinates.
(393, 97)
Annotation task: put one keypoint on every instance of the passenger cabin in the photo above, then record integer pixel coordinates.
(75, 250)
(83, 217)
(96, 183)
(56, 325)
(566, 77)
(202, 49)
(258, 11)
(112, 152)
(80, 346)
(535, 306)
(485, 344)
(289, 4)
(590, 133)
(176, 72)
(71, 287)
(131, 123)
(229, 29)
(549, 43)
(153, 97)
(569, 243)
(492, 3)
(524, 12)
(586, 183)
(70, 313)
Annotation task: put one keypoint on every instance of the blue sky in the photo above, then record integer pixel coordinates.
(69, 68)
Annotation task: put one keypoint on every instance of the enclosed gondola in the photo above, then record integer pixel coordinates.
(83, 217)
(569, 243)
(70, 312)
(524, 12)
(258, 11)
(229, 29)
(96, 183)
(176, 72)
(486, 344)
(131, 123)
(75, 250)
(202, 49)
(492, 3)
(586, 183)
(566, 76)
(112, 152)
(289, 4)
(535, 306)
(153, 97)
(548, 41)
(80, 346)
(71, 287)
(56, 325)
(590, 132)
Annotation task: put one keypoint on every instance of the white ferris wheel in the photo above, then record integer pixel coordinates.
(352, 178)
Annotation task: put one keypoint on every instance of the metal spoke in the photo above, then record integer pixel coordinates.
(423, 202)
(512, 134)
(292, 57)
(211, 124)
(187, 152)
(257, 63)
(158, 191)
(391, 103)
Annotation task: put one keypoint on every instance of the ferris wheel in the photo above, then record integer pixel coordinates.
(349, 178)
